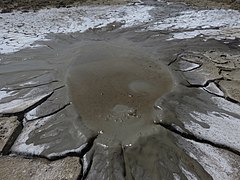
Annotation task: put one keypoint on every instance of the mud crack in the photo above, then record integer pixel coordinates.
(52, 113)
(192, 137)
(176, 58)
(34, 86)
(11, 140)
(85, 168)
(205, 84)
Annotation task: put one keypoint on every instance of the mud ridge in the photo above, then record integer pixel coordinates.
(81, 173)
(204, 85)
(124, 164)
(21, 114)
(55, 112)
(175, 59)
(20, 117)
(84, 151)
(215, 94)
(84, 174)
(11, 140)
(192, 137)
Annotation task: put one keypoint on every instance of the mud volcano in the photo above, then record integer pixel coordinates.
(114, 89)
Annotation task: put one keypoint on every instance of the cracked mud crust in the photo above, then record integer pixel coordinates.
(120, 92)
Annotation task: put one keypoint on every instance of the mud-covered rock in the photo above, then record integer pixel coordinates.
(219, 163)
(105, 160)
(198, 113)
(54, 136)
(55, 103)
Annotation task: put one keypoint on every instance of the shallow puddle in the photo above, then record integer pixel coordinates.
(114, 89)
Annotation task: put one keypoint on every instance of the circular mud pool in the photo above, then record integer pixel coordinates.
(114, 89)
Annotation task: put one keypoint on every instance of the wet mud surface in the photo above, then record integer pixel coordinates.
(115, 88)
(126, 100)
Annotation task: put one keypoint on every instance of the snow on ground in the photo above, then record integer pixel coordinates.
(223, 128)
(20, 30)
(6, 94)
(220, 164)
(218, 24)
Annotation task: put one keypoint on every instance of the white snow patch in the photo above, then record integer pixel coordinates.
(20, 146)
(218, 24)
(218, 163)
(31, 115)
(226, 105)
(20, 30)
(5, 94)
(176, 176)
(188, 174)
(223, 128)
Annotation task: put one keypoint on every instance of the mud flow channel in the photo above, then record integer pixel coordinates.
(114, 89)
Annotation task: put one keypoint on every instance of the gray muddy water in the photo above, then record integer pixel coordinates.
(114, 89)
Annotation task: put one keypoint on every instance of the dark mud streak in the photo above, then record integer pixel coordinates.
(190, 136)
(228, 69)
(175, 59)
(124, 163)
(11, 140)
(232, 100)
(83, 175)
